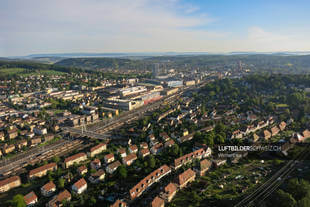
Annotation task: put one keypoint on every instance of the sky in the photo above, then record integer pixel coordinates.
(98, 26)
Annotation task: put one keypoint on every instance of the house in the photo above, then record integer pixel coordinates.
(204, 166)
(169, 143)
(282, 125)
(186, 177)
(109, 158)
(119, 203)
(97, 176)
(164, 136)
(8, 148)
(113, 167)
(274, 131)
(219, 162)
(42, 171)
(197, 154)
(122, 152)
(21, 143)
(144, 152)
(9, 183)
(186, 138)
(169, 192)
(95, 164)
(48, 137)
(40, 130)
(133, 149)
(48, 189)
(58, 199)
(255, 137)
(306, 134)
(12, 133)
(236, 134)
(77, 158)
(151, 137)
(129, 159)
(157, 202)
(267, 134)
(157, 148)
(97, 149)
(2, 136)
(35, 141)
(149, 180)
(80, 186)
(31, 199)
(82, 170)
(143, 145)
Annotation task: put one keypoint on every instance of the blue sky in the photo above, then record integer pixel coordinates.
(58, 26)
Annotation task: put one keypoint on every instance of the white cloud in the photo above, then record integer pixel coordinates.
(36, 26)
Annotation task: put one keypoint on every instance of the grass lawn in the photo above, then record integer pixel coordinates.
(24, 72)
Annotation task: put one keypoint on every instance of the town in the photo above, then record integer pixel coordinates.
(88, 139)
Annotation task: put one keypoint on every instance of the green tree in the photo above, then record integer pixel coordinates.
(284, 199)
(61, 183)
(18, 201)
(304, 202)
(151, 161)
(56, 159)
(122, 171)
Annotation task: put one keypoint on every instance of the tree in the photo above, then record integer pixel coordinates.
(305, 202)
(284, 199)
(122, 171)
(56, 159)
(61, 183)
(298, 188)
(18, 201)
(151, 161)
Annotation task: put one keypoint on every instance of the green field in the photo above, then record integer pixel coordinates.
(24, 72)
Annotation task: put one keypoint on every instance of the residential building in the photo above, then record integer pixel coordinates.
(149, 180)
(48, 189)
(169, 192)
(158, 202)
(77, 158)
(133, 149)
(58, 199)
(109, 158)
(204, 166)
(122, 152)
(42, 171)
(9, 183)
(186, 177)
(97, 149)
(80, 186)
(31, 199)
(97, 176)
(111, 168)
(129, 159)
(144, 152)
(95, 164)
(82, 170)
(274, 131)
(157, 148)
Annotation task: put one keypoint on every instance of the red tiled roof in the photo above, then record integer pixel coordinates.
(129, 157)
(30, 197)
(49, 186)
(80, 183)
(74, 157)
(64, 195)
(97, 147)
(157, 202)
(114, 165)
(108, 156)
(9, 180)
(170, 188)
(185, 176)
(306, 133)
(42, 168)
(148, 180)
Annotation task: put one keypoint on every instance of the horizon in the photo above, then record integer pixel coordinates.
(144, 26)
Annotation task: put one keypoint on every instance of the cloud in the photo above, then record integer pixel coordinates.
(54, 26)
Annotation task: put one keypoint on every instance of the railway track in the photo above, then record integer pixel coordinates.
(265, 190)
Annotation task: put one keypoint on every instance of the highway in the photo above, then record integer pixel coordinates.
(257, 197)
